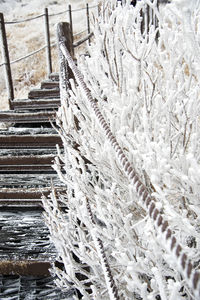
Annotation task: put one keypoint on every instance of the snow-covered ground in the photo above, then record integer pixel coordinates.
(26, 37)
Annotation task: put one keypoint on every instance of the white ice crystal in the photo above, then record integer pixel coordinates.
(146, 84)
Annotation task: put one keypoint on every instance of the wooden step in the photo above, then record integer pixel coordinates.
(25, 203)
(29, 204)
(30, 141)
(25, 267)
(21, 194)
(24, 236)
(44, 93)
(29, 180)
(49, 84)
(54, 76)
(30, 163)
(27, 130)
(26, 117)
(35, 104)
(15, 287)
(26, 196)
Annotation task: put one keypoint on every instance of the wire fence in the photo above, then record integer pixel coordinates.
(24, 20)
(48, 45)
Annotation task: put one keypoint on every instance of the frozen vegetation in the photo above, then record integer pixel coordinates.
(146, 85)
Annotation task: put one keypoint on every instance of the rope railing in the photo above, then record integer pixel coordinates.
(83, 40)
(24, 20)
(31, 54)
(165, 234)
(79, 9)
(50, 15)
(72, 10)
(59, 13)
(28, 55)
(78, 33)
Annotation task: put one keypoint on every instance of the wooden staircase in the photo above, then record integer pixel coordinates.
(27, 151)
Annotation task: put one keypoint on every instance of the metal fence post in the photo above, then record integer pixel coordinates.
(71, 26)
(88, 20)
(48, 44)
(5, 54)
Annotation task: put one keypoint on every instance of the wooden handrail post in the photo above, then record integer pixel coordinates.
(88, 20)
(48, 43)
(5, 54)
(65, 73)
(71, 27)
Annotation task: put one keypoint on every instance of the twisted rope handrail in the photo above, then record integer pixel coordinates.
(165, 235)
(111, 285)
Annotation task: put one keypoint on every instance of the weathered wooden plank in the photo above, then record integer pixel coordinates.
(29, 168)
(27, 130)
(24, 193)
(15, 287)
(30, 163)
(26, 160)
(49, 84)
(26, 117)
(35, 104)
(25, 267)
(54, 76)
(24, 236)
(29, 180)
(26, 204)
(36, 141)
(19, 203)
(46, 93)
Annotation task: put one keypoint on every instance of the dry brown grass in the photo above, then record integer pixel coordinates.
(24, 38)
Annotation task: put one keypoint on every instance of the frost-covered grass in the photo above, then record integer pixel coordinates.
(27, 37)
(148, 91)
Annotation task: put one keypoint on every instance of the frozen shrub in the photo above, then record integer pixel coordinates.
(146, 84)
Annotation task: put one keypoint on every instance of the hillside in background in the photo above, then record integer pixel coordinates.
(27, 37)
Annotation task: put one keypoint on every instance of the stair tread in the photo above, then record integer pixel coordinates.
(27, 130)
(34, 141)
(27, 152)
(25, 267)
(32, 104)
(27, 116)
(24, 236)
(29, 180)
(44, 93)
(49, 84)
